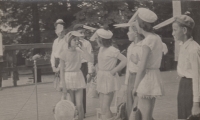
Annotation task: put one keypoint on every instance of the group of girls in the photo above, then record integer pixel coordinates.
(143, 63)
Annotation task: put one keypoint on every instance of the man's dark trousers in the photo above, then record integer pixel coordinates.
(84, 69)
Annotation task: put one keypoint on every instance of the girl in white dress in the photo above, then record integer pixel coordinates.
(148, 83)
(107, 77)
(134, 53)
(71, 75)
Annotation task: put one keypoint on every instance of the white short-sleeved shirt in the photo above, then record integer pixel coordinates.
(107, 58)
(151, 85)
(154, 42)
(136, 50)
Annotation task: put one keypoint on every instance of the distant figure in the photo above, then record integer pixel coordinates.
(58, 46)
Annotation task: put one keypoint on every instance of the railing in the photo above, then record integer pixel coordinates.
(10, 55)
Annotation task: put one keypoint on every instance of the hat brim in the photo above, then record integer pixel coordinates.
(60, 22)
(77, 34)
(122, 25)
(164, 23)
(89, 28)
(94, 36)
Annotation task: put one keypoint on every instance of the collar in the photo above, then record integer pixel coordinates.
(185, 45)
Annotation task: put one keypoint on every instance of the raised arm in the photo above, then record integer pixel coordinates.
(86, 55)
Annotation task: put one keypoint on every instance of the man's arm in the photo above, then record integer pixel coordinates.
(195, 63)
(90, 65)
(52, 55)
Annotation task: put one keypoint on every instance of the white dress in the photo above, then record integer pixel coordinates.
(73, 75)
(151, 85)
(107, 60)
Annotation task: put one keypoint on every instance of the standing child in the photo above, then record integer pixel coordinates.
(188, 67)
(134, 53)
(148, 83)
(86, 66)
(71, 75)
(107, 77)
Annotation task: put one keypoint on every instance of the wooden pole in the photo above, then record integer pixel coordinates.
(176, 11)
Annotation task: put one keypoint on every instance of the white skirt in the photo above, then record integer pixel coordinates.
(151, 85)
(75, 80)
(106, 82)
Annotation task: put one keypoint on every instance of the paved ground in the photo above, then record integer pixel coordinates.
(18, 103)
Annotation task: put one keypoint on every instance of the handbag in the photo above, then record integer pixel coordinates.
(121, 112)
(92, 92)
(56, 82)
(135, 114)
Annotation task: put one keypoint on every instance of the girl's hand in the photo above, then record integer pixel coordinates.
(112, 72)
(134, 92)
(89, 77)
(54, 69)
(57, 70)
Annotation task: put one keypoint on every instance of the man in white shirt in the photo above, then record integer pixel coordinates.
(86, 67)
(188, 67)
(58, 45)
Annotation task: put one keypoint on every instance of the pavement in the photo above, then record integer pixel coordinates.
(19, 103)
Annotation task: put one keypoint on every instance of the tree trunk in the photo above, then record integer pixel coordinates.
(36, 26)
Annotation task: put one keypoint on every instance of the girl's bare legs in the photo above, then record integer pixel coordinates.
(79, 103)
(107, 100)
(101, 100)
(146, 107)
(72, 96)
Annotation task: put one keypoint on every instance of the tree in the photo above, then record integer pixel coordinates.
(36, 18)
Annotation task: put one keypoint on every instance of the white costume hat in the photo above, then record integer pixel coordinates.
(144, 14)
(72, 33)
(59, 21)
(106, 34)
(183, 19)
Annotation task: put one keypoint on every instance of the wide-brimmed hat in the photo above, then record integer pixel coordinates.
(183, 19)
(144, 14)
(82, 26)
(72, 33)
(106, 34)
